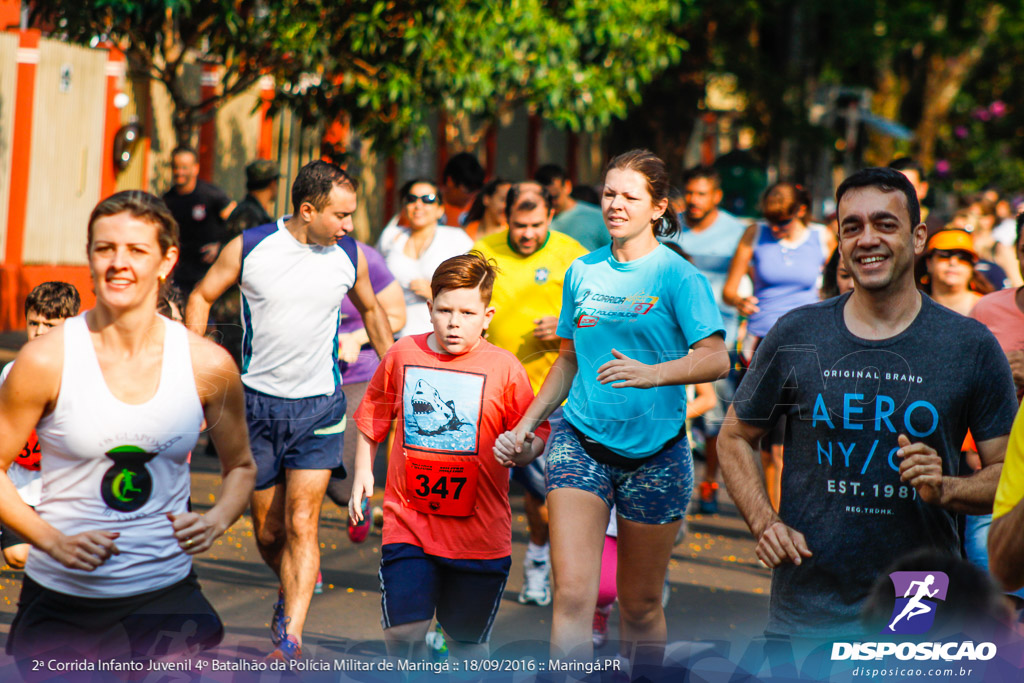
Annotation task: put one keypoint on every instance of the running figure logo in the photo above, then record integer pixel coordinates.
(917, 596)
(127, 485)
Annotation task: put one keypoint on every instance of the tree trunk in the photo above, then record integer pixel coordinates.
(890, 89)
(943, 81)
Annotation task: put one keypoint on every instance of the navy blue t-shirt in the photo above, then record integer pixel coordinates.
(847, 399)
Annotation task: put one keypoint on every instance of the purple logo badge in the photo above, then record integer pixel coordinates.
(917, 596)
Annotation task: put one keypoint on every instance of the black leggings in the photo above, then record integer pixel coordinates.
(56, 626)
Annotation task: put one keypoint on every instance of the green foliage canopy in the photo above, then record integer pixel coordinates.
(388, 63)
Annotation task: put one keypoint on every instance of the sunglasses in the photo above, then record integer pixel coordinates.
(426, 198)
(958, 254)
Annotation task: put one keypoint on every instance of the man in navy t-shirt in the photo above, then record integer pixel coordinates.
(880, 387)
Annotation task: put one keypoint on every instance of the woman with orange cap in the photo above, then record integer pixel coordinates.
(947, 273)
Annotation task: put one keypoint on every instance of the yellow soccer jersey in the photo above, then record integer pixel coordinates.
(1011, 481)
(528, 288)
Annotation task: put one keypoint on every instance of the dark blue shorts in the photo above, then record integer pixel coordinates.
(657, 492)
(294, 434)
(463, 594)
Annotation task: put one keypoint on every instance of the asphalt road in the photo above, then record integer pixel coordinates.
(719, 598)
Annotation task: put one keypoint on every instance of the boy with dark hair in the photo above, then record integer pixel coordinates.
(48, 305)
(447, 522)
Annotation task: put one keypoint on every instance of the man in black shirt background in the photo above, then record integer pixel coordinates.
(201, 210)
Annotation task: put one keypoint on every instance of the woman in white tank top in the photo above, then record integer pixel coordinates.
(117, 397)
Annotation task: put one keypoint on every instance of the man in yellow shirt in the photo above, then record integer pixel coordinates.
(532, 260)
(1005, 542)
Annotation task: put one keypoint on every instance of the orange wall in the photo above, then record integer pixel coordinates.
(21, 281)
(10, 14)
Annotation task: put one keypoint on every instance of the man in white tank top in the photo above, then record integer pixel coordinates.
(293, 275)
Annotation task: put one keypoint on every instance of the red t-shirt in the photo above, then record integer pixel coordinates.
(450, 409)
(999, 312)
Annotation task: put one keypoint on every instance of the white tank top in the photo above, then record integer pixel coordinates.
(113, 466)
(291, 310)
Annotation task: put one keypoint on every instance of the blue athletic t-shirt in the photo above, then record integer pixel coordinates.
(711, 251)
(652, 309)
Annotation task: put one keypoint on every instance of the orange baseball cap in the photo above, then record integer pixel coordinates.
(952, 240)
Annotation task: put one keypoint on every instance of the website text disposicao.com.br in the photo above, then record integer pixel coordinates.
(907, 672)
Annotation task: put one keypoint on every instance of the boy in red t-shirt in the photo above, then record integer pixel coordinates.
(447, 522)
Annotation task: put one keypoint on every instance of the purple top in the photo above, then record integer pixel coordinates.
(785, 277)
(380, 277)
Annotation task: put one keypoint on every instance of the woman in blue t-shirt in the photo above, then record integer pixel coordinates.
(630, 312)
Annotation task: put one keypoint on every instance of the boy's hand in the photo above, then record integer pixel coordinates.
(512, 449)
(362, 488)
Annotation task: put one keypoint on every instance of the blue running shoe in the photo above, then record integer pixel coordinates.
(279, 622)
(288, 650)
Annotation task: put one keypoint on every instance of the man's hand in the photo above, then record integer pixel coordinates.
(748, 306)
(348, 348)
(421, 288)
(921, 467)
(779, 544)
(1016, 359)
(209, 252)
(87, 550)
(544, 328)
(626, 372)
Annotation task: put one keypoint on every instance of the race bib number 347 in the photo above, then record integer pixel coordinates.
(441, 487)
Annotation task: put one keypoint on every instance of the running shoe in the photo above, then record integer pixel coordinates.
(279, 622)
(318, 587)
(536, 584)
(287, 650)
(358, 531)
(666, 593)
(601, 615)
(708, 504)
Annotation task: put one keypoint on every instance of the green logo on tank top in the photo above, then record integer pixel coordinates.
(127, 485)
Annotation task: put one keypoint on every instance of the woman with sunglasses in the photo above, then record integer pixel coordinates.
(784, 256)
(947, 273)
(414, 250)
